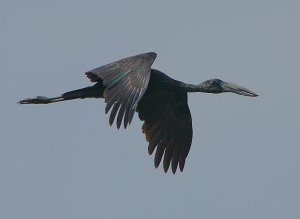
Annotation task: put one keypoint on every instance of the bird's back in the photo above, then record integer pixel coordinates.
(160, 81)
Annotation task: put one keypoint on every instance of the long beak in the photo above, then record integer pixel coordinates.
(234, 88)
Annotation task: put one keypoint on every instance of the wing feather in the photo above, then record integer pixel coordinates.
(167, 127)
(126, 81)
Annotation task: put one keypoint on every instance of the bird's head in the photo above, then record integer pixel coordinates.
(218, 86)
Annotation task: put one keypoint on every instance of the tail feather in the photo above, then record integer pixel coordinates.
(95, 91)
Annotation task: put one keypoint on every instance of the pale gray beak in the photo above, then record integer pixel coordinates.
(234, 88)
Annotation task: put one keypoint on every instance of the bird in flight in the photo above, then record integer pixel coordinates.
(130, 85)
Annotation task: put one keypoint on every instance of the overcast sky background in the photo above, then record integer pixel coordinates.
(64, 161)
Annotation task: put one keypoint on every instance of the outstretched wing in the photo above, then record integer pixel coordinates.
(126, 81)
(167, 127)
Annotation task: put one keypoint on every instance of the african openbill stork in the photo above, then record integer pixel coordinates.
(130, 85)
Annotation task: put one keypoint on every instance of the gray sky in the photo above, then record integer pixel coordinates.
(64, 161)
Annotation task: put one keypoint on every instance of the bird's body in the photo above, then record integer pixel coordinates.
(130, 85)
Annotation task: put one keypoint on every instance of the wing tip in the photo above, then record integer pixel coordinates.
(150, 55)
(93, 77)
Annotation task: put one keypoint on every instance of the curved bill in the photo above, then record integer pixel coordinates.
(234, 88)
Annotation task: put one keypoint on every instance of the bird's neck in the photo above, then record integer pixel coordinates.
(192, 87)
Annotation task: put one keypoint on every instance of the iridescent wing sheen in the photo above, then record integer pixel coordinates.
(167, 127)
(126, 81)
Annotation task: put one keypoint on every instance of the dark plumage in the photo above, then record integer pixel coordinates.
(130, 85)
